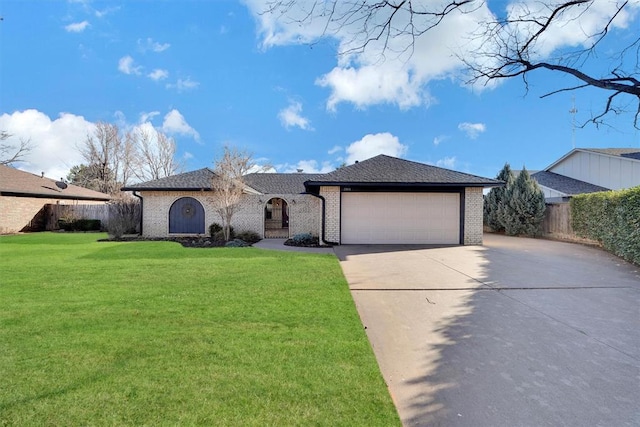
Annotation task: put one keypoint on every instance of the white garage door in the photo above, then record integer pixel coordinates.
(383, 218)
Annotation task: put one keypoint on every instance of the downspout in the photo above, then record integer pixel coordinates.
(135, 194)
(322, 237)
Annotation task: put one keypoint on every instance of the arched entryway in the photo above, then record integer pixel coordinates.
(186, 216)
(276, 218)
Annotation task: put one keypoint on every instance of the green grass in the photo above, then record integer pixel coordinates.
(151, 333)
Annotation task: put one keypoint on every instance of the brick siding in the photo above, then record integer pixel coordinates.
(304, 212)
(473, 203)
(331, 196)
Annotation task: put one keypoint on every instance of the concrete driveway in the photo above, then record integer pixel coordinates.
(518, 332)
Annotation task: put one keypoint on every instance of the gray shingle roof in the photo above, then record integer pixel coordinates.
(629, 153)
(564, 184)
(196, 180)
(391, 170)
(279, 183)
(379, 170)
(20, 183)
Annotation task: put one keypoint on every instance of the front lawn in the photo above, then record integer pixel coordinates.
(152, 333)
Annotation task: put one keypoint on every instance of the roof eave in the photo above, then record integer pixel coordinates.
(52, 196)
(402, 184)
(164, 189)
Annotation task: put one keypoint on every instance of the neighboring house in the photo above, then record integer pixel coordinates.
(23, 197)
(588, 170)
(377, 201)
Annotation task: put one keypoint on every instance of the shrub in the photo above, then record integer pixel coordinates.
(302, 239)
(79, 224)
(495, 198)
(214, 228)
(236, 243)
(248, 236)
(522, 209)
(124, 217)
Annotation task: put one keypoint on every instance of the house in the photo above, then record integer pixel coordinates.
(381, 200)
(589, 170)
(24, 196)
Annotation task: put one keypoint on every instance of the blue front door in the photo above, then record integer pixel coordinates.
(186, 216)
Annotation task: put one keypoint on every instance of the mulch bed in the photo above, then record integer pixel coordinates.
(187, 242)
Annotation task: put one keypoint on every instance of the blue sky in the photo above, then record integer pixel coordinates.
(211, 73)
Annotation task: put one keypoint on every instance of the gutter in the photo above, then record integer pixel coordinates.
(322, 237)
(135, 194)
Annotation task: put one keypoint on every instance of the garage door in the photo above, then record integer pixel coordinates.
(386, 218)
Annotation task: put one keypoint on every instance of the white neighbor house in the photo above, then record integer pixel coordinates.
(588, 170)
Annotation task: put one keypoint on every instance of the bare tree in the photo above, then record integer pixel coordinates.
(514, 45)
(228, 184)
(512, 42)
(12, 153)
(155, 154)
(109, 156)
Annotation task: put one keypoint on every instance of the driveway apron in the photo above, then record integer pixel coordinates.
(518, 332)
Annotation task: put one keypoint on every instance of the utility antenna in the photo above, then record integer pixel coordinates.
(573, 112)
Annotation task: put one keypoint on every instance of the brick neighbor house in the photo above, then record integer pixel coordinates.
(23, 197)
(382, 200)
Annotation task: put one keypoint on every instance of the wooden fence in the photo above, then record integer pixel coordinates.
(54, 212)
(557, 224)
(557, 219)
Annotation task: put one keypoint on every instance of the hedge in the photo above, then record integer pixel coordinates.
(612, 218)
(80, 224)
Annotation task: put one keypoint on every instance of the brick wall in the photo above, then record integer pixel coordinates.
(332, 213)
(473, 203)
(16, 213)
(304, 212)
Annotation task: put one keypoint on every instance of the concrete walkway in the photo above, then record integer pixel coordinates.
(518, 332)
(278, 244)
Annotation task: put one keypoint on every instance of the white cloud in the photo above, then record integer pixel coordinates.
(372, 145)
(77, 27)
(472, 129)
(335, 149)
(158, 74)
(386, 72)
(147, 117)
(104, 12)
(175, 123)
(291, 117)
(126, 66)
(149, 44)
(183, 85)
(440, 138)
(447, 162)
(370, 85)
(399, 70)
(187, 156)
(310, 166)
(54, 141)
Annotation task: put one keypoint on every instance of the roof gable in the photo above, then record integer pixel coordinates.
(631, 154)
(20, 183)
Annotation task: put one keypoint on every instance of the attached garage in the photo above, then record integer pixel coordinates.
(396, 218)
(386, 200)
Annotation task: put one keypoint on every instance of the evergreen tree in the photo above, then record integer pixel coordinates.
(494, 199)
(522, 208)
